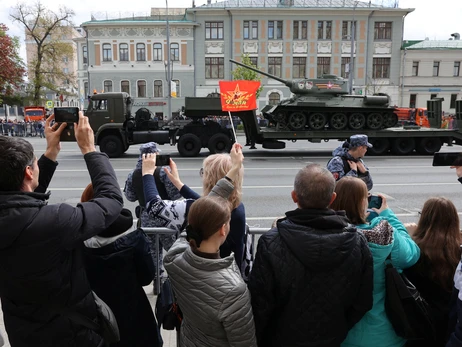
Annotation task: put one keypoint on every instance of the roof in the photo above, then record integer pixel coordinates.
(407, 43)
(437, 44)
(294, 3)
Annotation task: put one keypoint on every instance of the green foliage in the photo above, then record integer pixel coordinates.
(242, 73)
(240, 126)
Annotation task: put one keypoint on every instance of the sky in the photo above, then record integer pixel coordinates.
(437, 22)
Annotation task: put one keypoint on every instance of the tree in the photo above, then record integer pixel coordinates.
(12, 68)
(46, 29)
(242, 73)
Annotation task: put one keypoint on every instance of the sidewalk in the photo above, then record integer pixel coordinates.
(169, 337)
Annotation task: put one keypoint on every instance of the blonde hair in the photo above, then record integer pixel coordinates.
(216, 167)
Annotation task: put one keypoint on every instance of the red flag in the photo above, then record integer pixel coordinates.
(238, 95)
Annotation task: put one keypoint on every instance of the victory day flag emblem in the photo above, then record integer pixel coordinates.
(238, 95)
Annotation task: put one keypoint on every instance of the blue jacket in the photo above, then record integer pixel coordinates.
(385, 235)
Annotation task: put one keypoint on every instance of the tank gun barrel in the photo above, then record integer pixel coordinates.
(287, 83)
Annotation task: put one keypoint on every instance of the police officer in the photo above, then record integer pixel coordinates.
(347, 160)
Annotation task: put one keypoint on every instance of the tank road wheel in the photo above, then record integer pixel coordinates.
(390, 120)
(338, 121)
(189, 145)
(112, 145)
(403, 145)
(219, 143)
(317, 121)
(374, 121)
(356, 121)
(380, 146)
(297, 121)
(428, 145)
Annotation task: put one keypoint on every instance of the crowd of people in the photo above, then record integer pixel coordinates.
(22, 128)
(74, 276)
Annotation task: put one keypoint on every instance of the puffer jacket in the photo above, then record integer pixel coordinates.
(311, 280)
(43, 270)
(386, 236)
(213, 297)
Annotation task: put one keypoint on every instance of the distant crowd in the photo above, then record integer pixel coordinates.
(22, 128)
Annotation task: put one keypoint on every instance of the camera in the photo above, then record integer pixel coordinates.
(374, 201)
(162, 160)
(69, 115)
(447, 159)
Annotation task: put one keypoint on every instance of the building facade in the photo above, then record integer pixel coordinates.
(431, 69)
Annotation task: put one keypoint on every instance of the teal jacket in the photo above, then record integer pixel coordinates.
(385, 234)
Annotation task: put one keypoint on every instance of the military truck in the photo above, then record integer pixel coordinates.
(116, 128)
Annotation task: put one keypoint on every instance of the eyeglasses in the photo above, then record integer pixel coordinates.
(201, 172)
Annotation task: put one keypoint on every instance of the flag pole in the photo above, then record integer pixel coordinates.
(232, 126)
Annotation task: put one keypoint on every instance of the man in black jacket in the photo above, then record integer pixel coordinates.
(42, 275)
(312, 276)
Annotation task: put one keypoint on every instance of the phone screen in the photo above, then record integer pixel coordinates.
(66, 114)
(447, 159)
(162, 160)
(374, 201)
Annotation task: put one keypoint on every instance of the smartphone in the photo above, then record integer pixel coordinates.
(162, 160)
(447, 159)
(69, 115)
(375, 201)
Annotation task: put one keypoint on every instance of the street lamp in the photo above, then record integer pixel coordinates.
(352, 52)
(169, 75)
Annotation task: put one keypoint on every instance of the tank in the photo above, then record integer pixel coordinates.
(322, 103)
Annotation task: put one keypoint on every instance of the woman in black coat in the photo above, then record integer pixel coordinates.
(118, 264)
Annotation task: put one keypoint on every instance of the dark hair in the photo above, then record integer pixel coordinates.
(206, 216)
(314, 186)
(438, 237)
(351, 192)
(15, 155)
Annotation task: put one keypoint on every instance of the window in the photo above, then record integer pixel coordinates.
(107, 52)
(65, 70)
(382, 31)
(177, 85)
(274, 98)
(85, 54)
(381, 68)
(141, 89)
(412, 100)
(107, 86)
(214, 30)
(456, 68)
(275, 66)
(300, 29)
(158, 92)
(175, 51)
(436, 68)
(433, 96)
(324, 30)
(214, 68)
(299, 67)
(85, 89)
(453, 101)
(123, 52)
(140, 52)
(415, 68)
(345, 67)
(275, 29)
(157, 47)
(254, 61)
(65, 60)
(323, 66)
(125, 87)
(347, 26)
(250, 30)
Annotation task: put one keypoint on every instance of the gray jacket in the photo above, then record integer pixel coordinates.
(213, 297)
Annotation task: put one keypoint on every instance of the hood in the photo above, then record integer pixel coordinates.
(320, 239)
(340, 150)
(379, 235)
(17, 210)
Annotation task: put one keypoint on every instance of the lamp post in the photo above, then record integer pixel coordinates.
(351, 66)
(169, 75)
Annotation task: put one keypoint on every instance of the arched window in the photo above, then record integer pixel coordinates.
(158, 92)
(141, 89)
(274, 98)
(123, 52)
(107, 86)
(157, 50)
(140, 52)
(175, 51)
(107, 52)
(125, 87)
(85, 54)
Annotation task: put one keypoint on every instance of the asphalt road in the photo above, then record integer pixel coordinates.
(407, 181)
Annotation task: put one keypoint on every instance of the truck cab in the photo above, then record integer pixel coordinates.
(34, 113)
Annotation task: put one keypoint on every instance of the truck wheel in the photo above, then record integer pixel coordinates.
(428, 146)
(403, 145)
(219, 143)
(380, 146)
(112, 145)
(189, 145)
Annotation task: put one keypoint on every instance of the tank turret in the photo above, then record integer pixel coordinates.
(324, 103)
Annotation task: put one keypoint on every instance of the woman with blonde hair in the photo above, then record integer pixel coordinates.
(388, 241)
(438, 235)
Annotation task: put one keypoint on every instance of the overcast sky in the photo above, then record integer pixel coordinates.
(432, 19)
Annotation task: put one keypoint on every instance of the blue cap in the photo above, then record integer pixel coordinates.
(359, 140)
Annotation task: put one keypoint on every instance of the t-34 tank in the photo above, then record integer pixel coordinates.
(324, 102)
